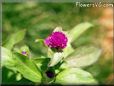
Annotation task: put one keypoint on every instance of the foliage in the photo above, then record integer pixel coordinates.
(31, 68)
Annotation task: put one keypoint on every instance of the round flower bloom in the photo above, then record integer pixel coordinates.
(56, 40)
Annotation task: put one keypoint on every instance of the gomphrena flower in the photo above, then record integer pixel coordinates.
(56, 40)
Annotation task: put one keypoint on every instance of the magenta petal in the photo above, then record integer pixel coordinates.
(56, 40)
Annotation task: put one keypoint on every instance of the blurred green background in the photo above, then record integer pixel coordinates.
(39, 19)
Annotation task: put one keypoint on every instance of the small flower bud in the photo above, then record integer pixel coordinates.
(24, 53)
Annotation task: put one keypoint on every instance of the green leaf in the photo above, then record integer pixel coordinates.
(57, 57)
(39, 40)
(68, 50)
(6, 57)
(10, 74)
(78, 30)
(22, 64)
(50, 53)
(83, 56)
(27, 68)
(38, 62)
(15, 38)
(18, 77)
(41, 62)
(73, 76)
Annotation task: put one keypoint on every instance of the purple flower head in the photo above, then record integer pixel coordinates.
(24, 52)
(56, 40)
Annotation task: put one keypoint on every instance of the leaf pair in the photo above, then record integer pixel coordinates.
(7, 59)
(27, 68)
(22, 64)
(18, 62)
